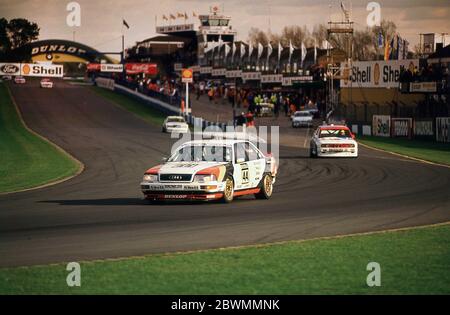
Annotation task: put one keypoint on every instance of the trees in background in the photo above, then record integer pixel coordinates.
(15, 34)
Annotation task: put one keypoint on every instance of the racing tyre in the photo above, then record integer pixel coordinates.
(311, 152)
(228, 192)
(266, 187)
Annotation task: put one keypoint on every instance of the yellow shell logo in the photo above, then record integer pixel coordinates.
(376, 74)
(187, 74)
(26, 69)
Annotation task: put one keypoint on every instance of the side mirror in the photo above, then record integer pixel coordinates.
(353, 136)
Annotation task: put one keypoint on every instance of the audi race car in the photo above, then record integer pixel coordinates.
(46, 83)
(19, 80)
(175, 124)
(302, 118)
(212, 170)
(333, 141)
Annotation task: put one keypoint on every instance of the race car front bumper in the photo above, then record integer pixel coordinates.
(337, 152)
(182, 191)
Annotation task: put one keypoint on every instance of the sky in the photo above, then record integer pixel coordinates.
(101, 20)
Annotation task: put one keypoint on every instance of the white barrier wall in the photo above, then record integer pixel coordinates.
(442, 129)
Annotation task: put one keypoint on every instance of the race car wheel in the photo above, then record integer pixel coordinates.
(228, 192)
(312, 154)
(164, 129)
(266, 187)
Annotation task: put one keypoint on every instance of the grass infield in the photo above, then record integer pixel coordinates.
(425, 150)
(413, 261)
(146, 113)
(27, 160)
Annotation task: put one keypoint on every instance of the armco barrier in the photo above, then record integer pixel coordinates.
(163, 107)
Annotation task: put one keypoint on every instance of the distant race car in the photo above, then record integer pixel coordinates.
(302, 119)
(212, 170)
(333, 141)
(175, 124)
(19, 80)
(46, 83)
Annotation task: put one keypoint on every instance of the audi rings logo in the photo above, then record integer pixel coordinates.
(9, 69)
(175, 177)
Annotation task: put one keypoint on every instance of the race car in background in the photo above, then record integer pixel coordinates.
(19, 80)
(175, 124)
(212, 170)
(302, 119)
(333, 141)
(46, 83)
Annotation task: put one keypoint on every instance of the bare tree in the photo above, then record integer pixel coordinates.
(255, 36)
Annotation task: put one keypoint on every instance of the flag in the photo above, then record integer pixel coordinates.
(269, 50)
(380, 40)
(233, 52)
(291, 51)
(386, 50)
(250, 51)
(125, 23)
(260, 50)
(172, 17)
(303, 53)
(280, 49)
(220, 42)
(227, 50)
(315, 52)
(242, 50)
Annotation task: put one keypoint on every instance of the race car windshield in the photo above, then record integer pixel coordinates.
(175, 119)
(303, 114)
(202, 153)
(334, 133)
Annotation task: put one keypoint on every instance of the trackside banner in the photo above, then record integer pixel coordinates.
(32, 69)
(443, 129)
(381, 125)
(375, 74)
(402, 127)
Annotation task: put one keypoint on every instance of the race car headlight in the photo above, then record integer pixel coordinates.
(150, 178)
(205, 178)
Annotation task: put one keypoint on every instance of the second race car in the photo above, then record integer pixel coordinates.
(333, 141)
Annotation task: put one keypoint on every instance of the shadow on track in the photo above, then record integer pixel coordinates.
(100, 202)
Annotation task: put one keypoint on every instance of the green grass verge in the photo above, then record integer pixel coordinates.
(148, 114)
(415, 261)
(426, 150)
(26, 160)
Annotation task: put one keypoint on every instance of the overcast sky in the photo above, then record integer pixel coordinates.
(101, 20)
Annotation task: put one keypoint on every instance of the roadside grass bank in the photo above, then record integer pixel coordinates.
(413, 261)
(27, 160)
(425, 150)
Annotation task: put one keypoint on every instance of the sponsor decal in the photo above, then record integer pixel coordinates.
(56, 48)
(220, 72)
(93, 67)
(233, 74)
(249, 76)
(187, 76)
(147, 68)
(375, 74)
(9, 68)
(423, 87)
(105, 83)
(41, 70)
(206, 70)
(272, 78)
(443, 129)
(423, 128)
(288, 81)
(381, 125)
(401, 127)
(110, 67)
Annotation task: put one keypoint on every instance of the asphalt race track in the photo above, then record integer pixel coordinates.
(101, 214)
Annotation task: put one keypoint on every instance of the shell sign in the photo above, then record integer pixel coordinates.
(187, 75)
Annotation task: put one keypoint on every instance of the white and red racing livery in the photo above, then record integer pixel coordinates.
(46, 83)
(212, 170)
(333, 141)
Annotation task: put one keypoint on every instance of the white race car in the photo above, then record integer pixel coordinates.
(19, 80)
(175, 124)
(333, 141)
(46, 83)
(212, 170)
(302, 119)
